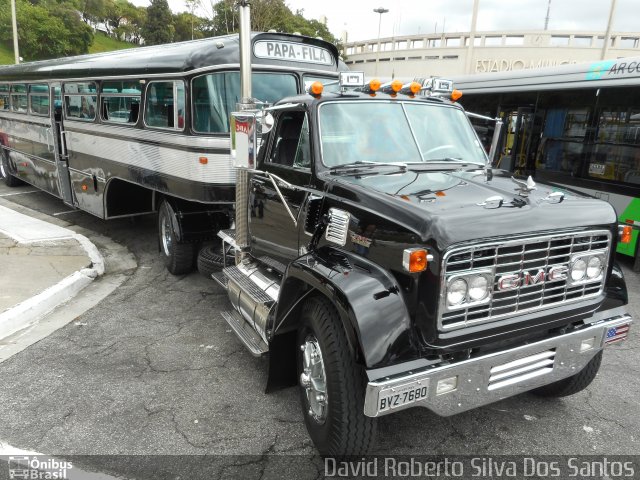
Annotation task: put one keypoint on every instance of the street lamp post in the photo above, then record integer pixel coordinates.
(380, 11)
(15, 31)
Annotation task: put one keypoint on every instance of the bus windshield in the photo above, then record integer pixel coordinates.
(377, 132)
(215, 96)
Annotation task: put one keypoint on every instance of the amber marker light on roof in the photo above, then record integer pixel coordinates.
(415, 260)
(456, 95)
(316, 88)
(374, 85)
(415, 87)
(396, 86)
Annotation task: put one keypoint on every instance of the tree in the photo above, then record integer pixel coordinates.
(158, 27)
(267, 15)
(187, 27)
(46, 30)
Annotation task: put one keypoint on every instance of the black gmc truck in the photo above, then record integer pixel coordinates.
(382, 264)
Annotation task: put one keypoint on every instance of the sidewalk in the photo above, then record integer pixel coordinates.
(41, 266)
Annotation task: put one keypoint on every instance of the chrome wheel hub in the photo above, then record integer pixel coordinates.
(313, 379)
(166, 235)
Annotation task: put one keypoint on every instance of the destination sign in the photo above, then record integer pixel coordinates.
(293, 52)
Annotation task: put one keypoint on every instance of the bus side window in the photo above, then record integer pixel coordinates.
(4, 97)
(164, 107)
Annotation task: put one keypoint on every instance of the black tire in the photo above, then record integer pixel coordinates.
(9, 179)
(178, 257)
(573, 384)
(210, 260)
(344, 430)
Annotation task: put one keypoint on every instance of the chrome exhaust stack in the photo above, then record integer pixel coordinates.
(246, 104)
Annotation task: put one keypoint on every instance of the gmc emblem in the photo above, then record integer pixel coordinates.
(516, 280)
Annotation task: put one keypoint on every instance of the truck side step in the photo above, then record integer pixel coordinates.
(228, 236)
(220, 278)
(273, 264)
(247, 286)
(245, 333)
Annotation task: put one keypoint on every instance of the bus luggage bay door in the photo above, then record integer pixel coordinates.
(59, 145)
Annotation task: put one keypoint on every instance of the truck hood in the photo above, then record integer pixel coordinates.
(446, 206)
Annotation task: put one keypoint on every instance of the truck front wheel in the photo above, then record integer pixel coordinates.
(573, 384)
(178, 257)
(332, 385)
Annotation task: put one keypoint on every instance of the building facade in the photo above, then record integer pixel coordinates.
(447, 54)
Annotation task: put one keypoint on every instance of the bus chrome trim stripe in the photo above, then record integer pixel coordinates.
(25, 118)
(163, 137)
(155, 158)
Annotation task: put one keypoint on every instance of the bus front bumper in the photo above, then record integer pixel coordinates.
(455, 387)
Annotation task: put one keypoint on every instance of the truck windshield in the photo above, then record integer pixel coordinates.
(397, 132)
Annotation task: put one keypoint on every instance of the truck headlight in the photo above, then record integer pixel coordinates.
(594, 267)
(478, 288)
(578, 269)
(457, 292)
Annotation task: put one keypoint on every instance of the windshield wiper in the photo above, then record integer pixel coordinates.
(448, 159)
(356, 167)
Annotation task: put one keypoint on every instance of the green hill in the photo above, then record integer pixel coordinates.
(101, 43)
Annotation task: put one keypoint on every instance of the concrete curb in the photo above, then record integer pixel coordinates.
(29, 311)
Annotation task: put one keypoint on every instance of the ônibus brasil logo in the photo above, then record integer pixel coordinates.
(41, 468)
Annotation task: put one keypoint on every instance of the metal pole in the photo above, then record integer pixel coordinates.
(379, 10)
(472, 36)
(242, 174)
(15, 31)
(245, 51)
(607, 35)
(546, 19)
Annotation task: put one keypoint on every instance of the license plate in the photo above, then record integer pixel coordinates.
(402, 395)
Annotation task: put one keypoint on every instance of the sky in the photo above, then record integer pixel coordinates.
(428, 16)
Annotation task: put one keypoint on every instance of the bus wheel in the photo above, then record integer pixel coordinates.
(573, 384)
(332, 384)
(9, 179)
(178, 257)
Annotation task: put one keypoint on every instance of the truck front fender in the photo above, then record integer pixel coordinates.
(368, 299)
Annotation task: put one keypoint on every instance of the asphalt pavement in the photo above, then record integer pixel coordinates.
(152, 369)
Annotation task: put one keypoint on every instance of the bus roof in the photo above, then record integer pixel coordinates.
(604, 73)
(268, 49)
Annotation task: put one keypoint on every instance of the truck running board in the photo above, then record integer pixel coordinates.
(246, 333)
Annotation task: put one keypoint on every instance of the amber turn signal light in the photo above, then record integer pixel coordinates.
(456, 95)
(625, 234)
(415, 260)
(415, 87)
(316, 88)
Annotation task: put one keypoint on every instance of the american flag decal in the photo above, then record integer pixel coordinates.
(616, 334)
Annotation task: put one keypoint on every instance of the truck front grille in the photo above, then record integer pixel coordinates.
(531, 258)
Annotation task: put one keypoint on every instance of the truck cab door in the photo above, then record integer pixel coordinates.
(273, 216)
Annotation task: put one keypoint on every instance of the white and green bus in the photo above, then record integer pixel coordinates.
(577, 126)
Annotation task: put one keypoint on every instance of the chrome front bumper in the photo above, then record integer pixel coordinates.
(492, 377)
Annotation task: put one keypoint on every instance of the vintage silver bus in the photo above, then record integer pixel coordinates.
(146, 130)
